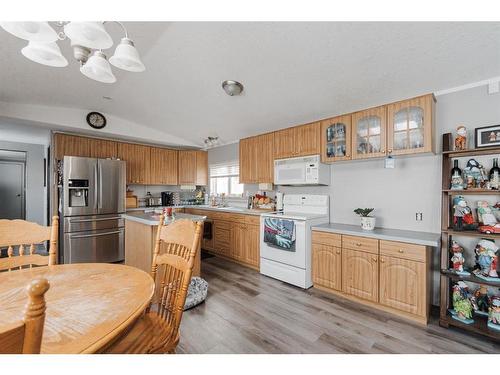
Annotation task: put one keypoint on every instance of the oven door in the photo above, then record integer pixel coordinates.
(296, 258)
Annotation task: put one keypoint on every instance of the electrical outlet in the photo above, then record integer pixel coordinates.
(418, 216)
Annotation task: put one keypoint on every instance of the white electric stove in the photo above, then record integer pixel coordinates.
(293, 265)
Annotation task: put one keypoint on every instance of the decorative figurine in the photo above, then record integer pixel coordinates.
(461, 139)
(462, 215)
(462, 304)
(457, 259)
(485, 213)
(457, 182)
(494, 313)
(481, 300)
(486, 260)
(475, 174)
(493, 137)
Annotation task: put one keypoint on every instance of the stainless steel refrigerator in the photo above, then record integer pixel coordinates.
(92, 201)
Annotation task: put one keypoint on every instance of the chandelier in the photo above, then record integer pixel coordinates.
(88, 40)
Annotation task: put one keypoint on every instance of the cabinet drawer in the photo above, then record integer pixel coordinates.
(403, 250)
(324, 238)
(368, 245)
(252, 219)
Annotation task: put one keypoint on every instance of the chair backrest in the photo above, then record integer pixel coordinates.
(25, 235)
(172, 268)
(26, 336)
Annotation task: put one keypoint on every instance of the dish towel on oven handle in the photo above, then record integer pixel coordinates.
(279, 233)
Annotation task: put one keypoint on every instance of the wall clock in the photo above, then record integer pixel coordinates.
(96, 120)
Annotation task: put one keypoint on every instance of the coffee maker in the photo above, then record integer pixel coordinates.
(167, 198)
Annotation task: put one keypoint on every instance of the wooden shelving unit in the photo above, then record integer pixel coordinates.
(447, 234)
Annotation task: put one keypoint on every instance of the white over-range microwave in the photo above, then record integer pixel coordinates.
(305, 170)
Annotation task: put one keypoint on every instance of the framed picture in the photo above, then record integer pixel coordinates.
(487, 136)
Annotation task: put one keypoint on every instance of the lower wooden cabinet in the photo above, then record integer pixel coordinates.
(360, 274)
(327, 266)
(402, 284)
(234, 236)
(388, 275)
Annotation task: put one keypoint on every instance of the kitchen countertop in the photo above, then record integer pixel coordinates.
(233, 210)
(408, 236)
(151, 218)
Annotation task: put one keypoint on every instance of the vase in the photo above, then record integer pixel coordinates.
(367, 223)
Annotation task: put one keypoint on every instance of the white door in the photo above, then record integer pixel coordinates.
(295, 257)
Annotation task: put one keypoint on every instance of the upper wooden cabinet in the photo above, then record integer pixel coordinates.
(164, 164)
(103, 148)
(138, 160)
(336, 139)
(410, 124)
(257, 159)
(297, 141)
(369, 133)
(70, 145)
(193, 167)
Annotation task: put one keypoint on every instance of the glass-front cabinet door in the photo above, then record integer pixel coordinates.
(410, 125)
(369, 133)
(336, 139)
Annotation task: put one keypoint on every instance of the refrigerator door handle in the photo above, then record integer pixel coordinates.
(99, 183)
(96, 184)
(96, 219)
(95, 234)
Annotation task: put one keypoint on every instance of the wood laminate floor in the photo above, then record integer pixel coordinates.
(246, 312)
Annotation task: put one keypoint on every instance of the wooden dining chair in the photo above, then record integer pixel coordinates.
(173, 260)
(25, 337)
(21, 233)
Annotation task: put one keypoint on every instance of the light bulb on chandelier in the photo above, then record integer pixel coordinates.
(88, 39)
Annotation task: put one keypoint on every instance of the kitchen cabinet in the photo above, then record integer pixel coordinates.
(360, 274)
(163, 168)
(193, 167)
(257, 159)
(201, 168)
(234, 236)
(410, 124)
(103, 148)
(300, 140)
(402, 284)
(138, 158)
(369, 128)
(388, 275)
(336, 140)
(70, 145)
(327, 266)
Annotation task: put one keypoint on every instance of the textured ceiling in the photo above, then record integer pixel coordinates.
(292, 72)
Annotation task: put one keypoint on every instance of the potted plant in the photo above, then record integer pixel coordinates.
(367, 221)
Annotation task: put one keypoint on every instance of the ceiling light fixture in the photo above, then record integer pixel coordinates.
(211, 141)
(232, 88)
(88, 40)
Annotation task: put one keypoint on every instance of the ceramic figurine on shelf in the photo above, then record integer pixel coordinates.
(462, 305)
(493, 137)
(481, 300)
(462, 215)
(494, 313)
(457, 259)
(487, 260)
(474, 174)
(461, 138)
(457, 182)
(485, 213)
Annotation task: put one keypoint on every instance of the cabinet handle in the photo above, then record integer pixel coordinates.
(401, 251)
(374, 260)
(338, 251)
(382, 150)
(382, 260)
(389, 150)
(358, 243)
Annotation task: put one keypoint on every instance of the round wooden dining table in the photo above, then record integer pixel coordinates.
(88, 304)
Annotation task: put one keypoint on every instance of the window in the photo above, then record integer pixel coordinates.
(225, 178)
